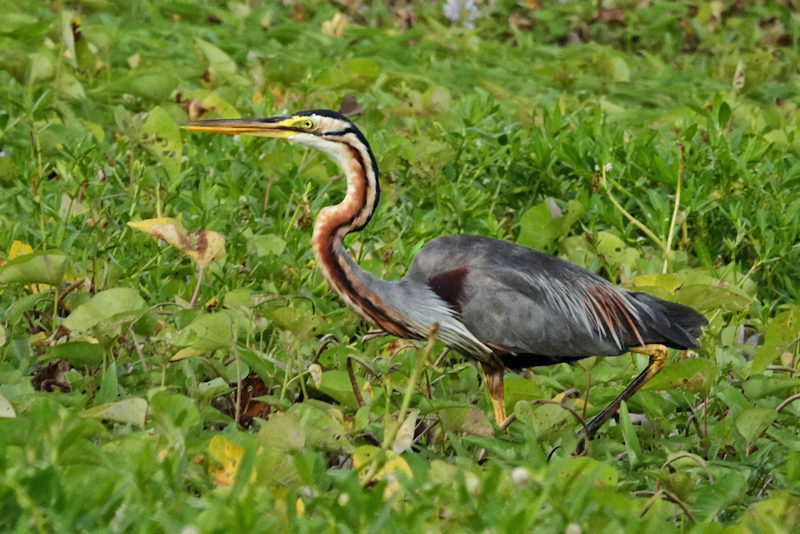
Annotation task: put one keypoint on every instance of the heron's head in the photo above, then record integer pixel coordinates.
(322, 129)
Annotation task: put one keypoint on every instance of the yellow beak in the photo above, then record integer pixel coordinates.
(280, 127)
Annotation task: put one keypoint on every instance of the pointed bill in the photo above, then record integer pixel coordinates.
(280, 127)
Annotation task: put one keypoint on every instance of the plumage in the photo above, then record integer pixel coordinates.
(525, 302)
(496, 302)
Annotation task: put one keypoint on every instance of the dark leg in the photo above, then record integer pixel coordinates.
(658, 357)
(494, 383)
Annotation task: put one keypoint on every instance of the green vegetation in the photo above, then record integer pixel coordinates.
(125, 409)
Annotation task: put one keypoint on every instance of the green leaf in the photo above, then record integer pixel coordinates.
(692, 374)
(734, 399)
(76, 353)
(336, 384)
(220, 64)
(131, 411)
(207, 333)
(163, 140)
(724, 114)
(111, 307)
(778, 513)
(465, 419)
(35, 268)
(269, 244)
(109, 387)
(307, 423)
(216, 105)
(282, 431)
(577, 472)
(240, 298)
(323, 426)
(678, 483)
(753, 422)
(354, 73)
(286, 317)
(782, 333)
(713, 297)
(545, 419)
(544, 223)
(147, 325)
(620, 70)
(666, 282)
(521, 389)
(67, 86)
(711, 498)
(536, 228)
(174, 415)
(614, 250)
(579, 250)
(155, 85)
(41, 67)
(629, 435)
(211, 389)
(759, 386)
(18, 308)
(9, 171)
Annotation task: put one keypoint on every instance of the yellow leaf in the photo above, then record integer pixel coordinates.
(188, 352)
(335, 26)
(204, 247)
(147, 224)
(577, 402)
(670, 282)
(405, 436)
(227, 456)
(38, 339)
(367, 461)
(38, 288)
(6, 410)
(18, 248)
(210, 246)
(316, 374)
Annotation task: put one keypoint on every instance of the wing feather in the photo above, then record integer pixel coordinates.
(527, 302)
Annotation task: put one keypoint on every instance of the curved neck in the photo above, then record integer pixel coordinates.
(358, 288)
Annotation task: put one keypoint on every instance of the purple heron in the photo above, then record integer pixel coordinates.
(502, 304)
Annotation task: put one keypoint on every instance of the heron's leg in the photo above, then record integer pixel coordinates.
(658, 357)
(494, 383)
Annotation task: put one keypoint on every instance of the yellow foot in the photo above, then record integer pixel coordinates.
(494, 383)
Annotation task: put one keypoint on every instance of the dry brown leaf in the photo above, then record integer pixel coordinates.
(204, 247)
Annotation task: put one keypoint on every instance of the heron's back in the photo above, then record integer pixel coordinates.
(522, 301)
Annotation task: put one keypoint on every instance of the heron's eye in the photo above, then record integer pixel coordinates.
(308, 124)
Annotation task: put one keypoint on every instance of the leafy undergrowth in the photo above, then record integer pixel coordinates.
(198, 373)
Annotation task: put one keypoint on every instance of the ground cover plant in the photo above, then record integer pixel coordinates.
(171, 359)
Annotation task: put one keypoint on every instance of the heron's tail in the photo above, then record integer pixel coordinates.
(678, 325)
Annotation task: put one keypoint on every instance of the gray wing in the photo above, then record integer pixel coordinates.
(521, 301)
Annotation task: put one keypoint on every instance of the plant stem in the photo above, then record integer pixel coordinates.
(419, 364)
(200, 272)
(670, 232)
(238, 386)
(653, 237)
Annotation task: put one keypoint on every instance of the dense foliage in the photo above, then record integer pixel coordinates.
(653, 142)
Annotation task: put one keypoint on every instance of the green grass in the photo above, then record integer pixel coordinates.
(476, 130)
